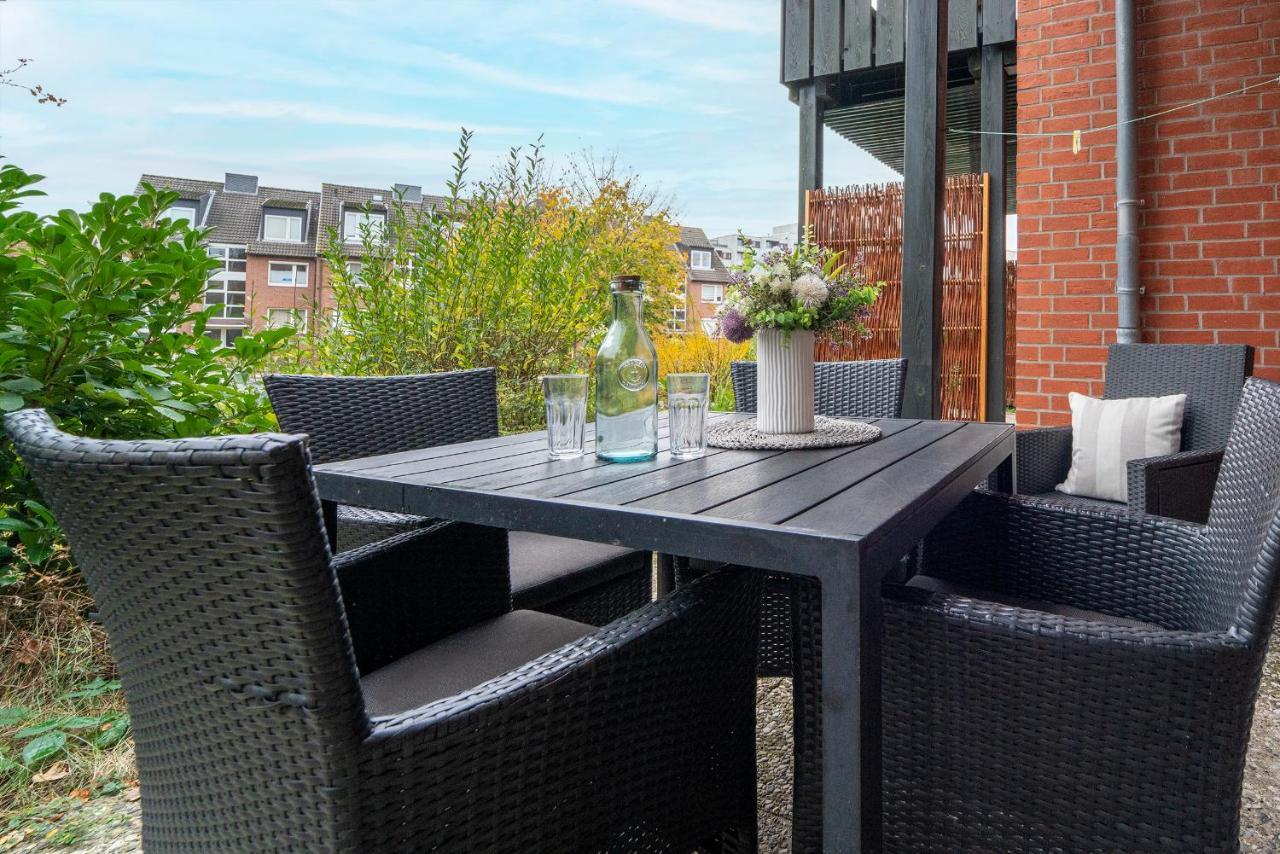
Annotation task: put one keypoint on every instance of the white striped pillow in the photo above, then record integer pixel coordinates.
(1106, 434)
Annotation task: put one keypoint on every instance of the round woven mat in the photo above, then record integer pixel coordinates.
(827, 433)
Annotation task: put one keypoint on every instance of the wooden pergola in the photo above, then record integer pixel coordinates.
(866, 69)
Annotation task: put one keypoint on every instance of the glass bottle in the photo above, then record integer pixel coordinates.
(627, 380)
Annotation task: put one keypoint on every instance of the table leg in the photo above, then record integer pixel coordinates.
(1005, 477)
(330, 511)
(666, 581)
(849, 727)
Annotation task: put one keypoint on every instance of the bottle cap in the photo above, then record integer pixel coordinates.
(626, 283)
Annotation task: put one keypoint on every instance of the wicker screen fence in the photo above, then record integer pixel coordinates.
(866, 221)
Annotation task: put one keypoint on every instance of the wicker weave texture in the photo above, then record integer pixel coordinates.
(867, 389)
(230, 624)
(1009, 729)
(349, 417)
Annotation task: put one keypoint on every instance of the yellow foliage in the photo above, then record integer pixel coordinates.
(697, 352)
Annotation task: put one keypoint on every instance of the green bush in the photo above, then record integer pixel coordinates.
(513, 272)
(101, 324)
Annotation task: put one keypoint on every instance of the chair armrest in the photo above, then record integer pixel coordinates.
(1130, 565)
(671, 686)
(1043, 458)
(404, 592)
(1177, 485)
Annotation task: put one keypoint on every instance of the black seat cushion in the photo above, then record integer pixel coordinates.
(940, 585)
(548, 569)
(465, 659)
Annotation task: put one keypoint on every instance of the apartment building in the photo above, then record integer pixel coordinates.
(730, 247)
(706, 278)
(271, 244)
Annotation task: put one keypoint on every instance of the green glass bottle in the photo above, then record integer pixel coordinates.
(627, 380)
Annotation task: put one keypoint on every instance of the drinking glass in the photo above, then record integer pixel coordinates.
(566, 397)
(687, 410)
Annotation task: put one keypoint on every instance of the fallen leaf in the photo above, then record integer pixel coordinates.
(52, 773)
(82, 794)
(133, 794)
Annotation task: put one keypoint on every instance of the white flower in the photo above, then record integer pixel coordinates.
(781, 277)
(811, 291)
(761, 274)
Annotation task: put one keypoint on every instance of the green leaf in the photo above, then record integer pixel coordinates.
(37, 729)
(10, 402)
(93, 689)
(45, 747)
(22, 384)
(10, 715)
(112, 734)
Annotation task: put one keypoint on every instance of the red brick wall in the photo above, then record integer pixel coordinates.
(260, 296)
(1208, 175)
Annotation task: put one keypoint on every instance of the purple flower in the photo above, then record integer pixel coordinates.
(735, 327)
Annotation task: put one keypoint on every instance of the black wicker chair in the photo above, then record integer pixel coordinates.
(1179, 485)
(1065, 678)
(387, 699)
(866, 389)
(348, 417)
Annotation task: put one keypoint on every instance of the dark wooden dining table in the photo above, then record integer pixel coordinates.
(844, 516)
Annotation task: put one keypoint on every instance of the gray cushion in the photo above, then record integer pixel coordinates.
(547, 569)
(1063, 499)
(941, 585)
(465, 659)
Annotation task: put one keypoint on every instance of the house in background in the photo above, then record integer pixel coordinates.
(706, 278)
(271, 244)
(729, 246)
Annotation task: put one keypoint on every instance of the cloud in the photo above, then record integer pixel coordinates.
(320, 115)
(734, 17)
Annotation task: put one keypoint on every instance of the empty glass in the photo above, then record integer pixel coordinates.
(566, 396)
(687, 411)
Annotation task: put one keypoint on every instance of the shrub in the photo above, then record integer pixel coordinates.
(512, 272)
(696, 352)
(100, 324)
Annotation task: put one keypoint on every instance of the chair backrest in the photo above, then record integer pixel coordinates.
(867, 389)
(210, 569)
(1211, 375)
(348, 417)
(1243, 532)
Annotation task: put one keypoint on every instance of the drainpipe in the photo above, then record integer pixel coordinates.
(1129, 320)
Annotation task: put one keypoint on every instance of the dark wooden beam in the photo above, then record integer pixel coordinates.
(962, 24)
(811, 103)
(859, 22)
(828, 42)
(923, 201)
(999, 23)
(889, 32)
(797, 40)
(991, 95)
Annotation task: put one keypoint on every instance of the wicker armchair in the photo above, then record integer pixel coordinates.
(1069, 679)
(387, 699)
(867, 389)
(1179, 485)
(348, 417)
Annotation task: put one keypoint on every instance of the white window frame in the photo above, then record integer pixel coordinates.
(289, 220)
(222, 333)
(355, 274)
(717, 294)
(295, 267)
(357, 218)
(696, 259)
(711, 326)
(297, 318)
(229, 281)
(181, 210)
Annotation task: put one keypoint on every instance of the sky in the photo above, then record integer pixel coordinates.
(685, 93)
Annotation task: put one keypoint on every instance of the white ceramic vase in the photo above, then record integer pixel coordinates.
(784, 381)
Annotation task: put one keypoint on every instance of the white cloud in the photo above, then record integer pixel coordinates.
(314, 114)
(735, 17)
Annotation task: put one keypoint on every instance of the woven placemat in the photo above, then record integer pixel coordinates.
(827, 433)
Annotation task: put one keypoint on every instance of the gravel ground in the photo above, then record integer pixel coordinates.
(113, 825)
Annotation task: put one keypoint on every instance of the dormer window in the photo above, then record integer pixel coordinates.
(700, 259)
(282, 227)
(181, 210)
(356, 222)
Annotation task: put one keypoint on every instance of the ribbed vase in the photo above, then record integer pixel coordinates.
(784, 381)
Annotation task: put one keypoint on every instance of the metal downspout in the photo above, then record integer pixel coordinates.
(1128, 293)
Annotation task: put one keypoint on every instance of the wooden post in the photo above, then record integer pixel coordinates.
(923, 204)
(992, 86)
(984, 296)
(810, 142)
